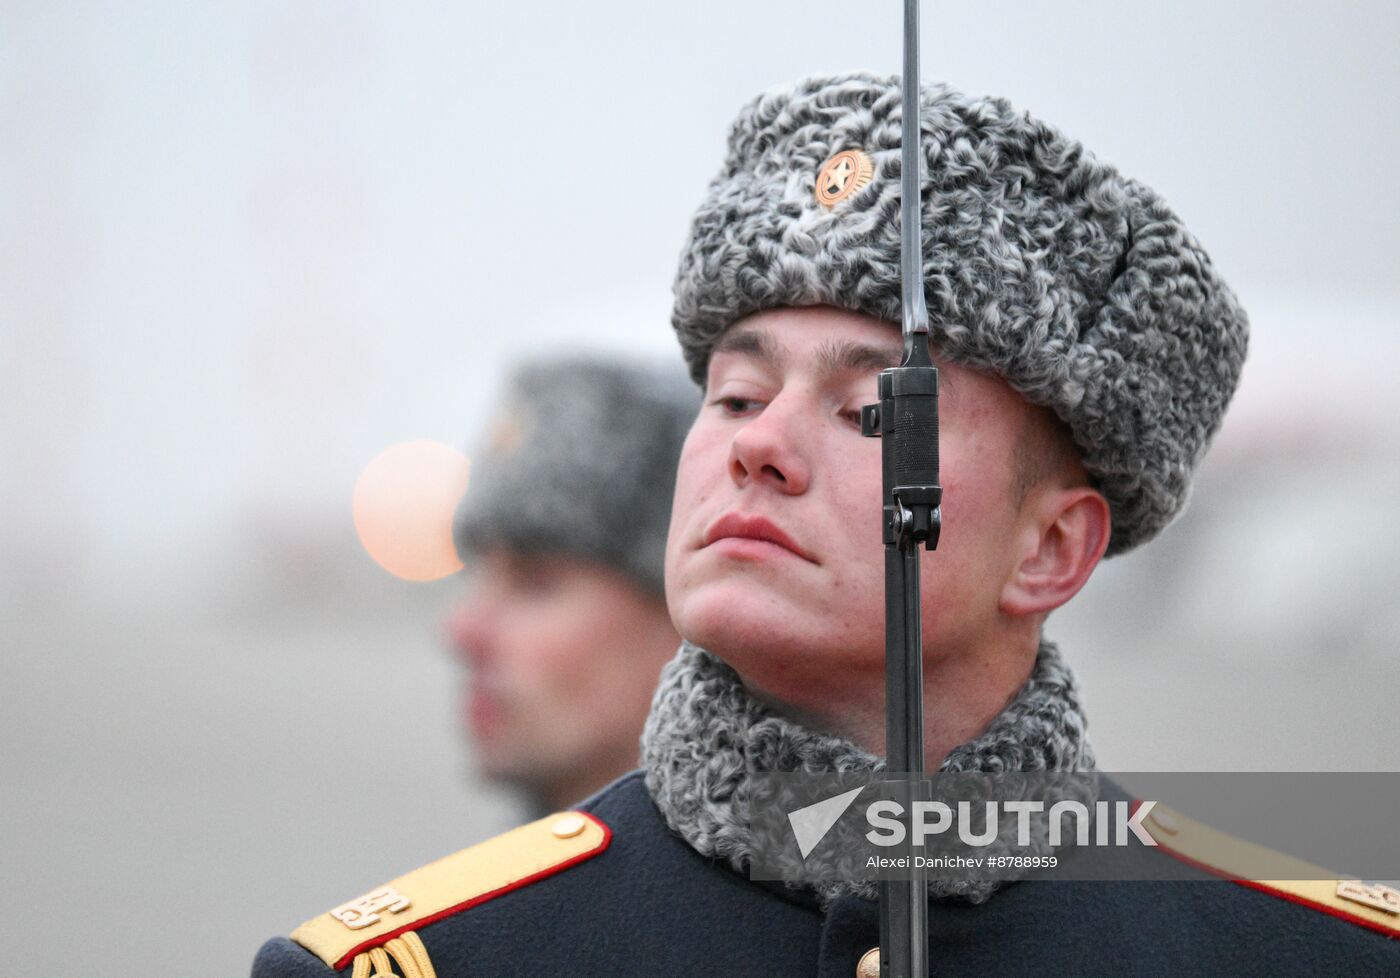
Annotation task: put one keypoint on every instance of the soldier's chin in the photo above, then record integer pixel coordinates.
(493, 771)
(738, 622)
(510, 775)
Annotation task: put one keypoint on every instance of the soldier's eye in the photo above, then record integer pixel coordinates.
(534, 575)
(735, 405)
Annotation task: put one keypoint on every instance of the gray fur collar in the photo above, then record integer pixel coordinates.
(706, 732)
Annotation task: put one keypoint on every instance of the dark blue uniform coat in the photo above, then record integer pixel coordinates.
(650, 905)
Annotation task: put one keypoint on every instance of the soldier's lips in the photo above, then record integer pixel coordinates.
(483, 712)
(751, 537)
(747, 548)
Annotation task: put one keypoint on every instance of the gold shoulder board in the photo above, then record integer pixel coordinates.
(453, 884)
(1368, 905)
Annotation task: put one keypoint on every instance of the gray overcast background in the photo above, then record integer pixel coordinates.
(244, 247)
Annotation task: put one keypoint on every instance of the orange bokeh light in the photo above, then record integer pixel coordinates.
(403, 505)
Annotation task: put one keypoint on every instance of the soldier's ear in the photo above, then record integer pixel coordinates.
(1062, 537)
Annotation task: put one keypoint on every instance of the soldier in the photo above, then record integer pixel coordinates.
(564, 629)
(1087, 350)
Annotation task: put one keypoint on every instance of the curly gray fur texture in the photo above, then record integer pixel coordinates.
(706, 733)
(582, 460)
(1043, 265)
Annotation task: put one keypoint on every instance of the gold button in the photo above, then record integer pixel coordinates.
(568, 826)
(1164, 821)
(869, 964)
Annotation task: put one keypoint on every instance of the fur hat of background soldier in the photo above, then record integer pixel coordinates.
(581, 460)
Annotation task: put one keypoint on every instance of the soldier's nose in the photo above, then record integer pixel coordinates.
(467, 634)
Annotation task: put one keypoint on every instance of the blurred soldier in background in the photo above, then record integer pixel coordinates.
(563, 530)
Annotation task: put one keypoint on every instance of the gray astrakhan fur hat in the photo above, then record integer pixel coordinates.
(1042, 264)
(581, 460)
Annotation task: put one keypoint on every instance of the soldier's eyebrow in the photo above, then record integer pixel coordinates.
(833, 357)
(839, 357)
(750, 342)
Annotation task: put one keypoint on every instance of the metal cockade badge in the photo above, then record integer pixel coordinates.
(843, 175)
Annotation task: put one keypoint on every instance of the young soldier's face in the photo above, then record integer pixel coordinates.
(775, 551)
